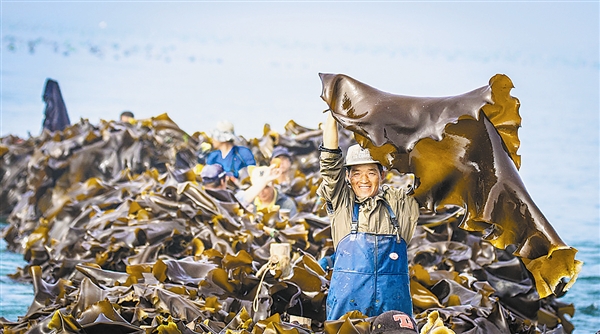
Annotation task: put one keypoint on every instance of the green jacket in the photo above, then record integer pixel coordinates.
(373, 216)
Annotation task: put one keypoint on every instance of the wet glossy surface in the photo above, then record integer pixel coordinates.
(462, 156)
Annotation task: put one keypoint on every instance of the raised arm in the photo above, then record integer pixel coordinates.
(260, 180)
(330, 133)
(332, 187)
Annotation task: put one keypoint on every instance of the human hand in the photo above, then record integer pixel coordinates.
(264, 174)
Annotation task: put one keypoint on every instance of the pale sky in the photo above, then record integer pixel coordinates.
(199, 60)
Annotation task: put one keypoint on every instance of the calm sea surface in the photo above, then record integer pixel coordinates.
(559, 141)
(15, 297)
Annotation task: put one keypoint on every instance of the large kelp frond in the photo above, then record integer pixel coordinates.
(400, 120)
(461, 158)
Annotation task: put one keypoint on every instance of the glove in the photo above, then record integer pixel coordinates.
(327, 262)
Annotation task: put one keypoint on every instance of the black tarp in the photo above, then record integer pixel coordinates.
(56, 117)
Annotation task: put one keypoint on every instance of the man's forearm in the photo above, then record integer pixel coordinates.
(330, 133)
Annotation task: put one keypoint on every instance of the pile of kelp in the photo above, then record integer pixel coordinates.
(120, 236)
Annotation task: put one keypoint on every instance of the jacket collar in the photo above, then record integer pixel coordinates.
(369, 202)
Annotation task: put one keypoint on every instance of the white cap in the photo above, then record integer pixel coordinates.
(224, 132)
(357, 155)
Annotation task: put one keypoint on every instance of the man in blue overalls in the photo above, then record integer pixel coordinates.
(370, 226)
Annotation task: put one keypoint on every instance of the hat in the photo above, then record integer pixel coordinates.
(279, 151)
(394, 322)
(211, 173)
(357, 155)
(223, 132)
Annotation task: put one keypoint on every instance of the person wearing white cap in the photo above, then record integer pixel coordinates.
(232, 157)
(371, 225)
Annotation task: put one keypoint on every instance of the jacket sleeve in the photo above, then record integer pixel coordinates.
(407, 211)
(413, 217)
(333, 187)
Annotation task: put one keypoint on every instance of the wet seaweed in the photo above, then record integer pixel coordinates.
(119, 235)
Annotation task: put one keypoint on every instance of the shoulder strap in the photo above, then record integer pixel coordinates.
(393, 218)
(354, 225)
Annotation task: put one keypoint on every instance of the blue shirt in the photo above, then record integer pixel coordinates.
(238, 158)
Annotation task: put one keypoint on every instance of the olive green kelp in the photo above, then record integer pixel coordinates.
(463, 151)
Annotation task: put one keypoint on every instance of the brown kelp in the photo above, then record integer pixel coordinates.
(120, 235)
(463, 150)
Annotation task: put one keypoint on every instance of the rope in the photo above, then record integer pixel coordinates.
(262, 278)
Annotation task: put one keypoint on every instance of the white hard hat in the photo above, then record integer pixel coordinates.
(224, 132)
(357, 155)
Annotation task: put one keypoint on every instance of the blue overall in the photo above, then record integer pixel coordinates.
(370, 273)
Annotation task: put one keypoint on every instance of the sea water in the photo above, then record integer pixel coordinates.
(15, 297)
(559, 141)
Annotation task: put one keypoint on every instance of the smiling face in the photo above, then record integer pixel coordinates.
(365, 180)
(267, 194)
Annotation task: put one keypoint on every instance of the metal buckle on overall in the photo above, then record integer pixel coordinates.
(354, 224)
(393, 218)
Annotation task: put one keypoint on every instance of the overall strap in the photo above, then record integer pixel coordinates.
(393, 218)
(354, 226)
(392, 214)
